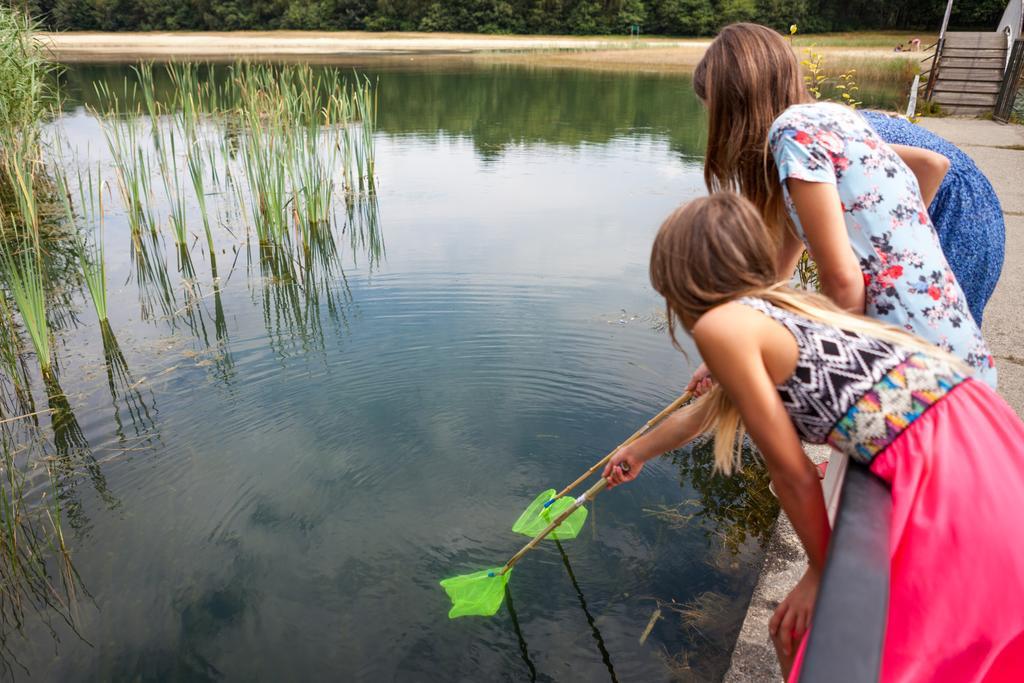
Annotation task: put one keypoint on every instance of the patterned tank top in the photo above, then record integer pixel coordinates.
(853, 391)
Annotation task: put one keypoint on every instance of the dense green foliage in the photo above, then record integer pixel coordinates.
(670, 17)
(24, 96)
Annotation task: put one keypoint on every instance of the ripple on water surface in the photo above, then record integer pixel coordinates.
(319, 454)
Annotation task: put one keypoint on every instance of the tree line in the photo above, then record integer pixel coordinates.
(586, 17)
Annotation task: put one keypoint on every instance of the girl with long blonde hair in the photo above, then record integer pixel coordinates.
(822, 178)
(793, 366)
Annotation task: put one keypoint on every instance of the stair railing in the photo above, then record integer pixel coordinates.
(933, 73)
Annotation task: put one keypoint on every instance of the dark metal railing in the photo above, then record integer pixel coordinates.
(1011, 82)
(933, 73)
(845, 643)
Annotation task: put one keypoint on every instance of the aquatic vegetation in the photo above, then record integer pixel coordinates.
(150, 271)
(286, 151)
(299, 127)
(262, 153)
(31, 519)
(291, 140)
(15, 369)
(131, 162)
(90, 245)
(24, 72)
(21, 259)
(194, 161)
(22, 166)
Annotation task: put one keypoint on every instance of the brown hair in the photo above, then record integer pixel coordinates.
(748, 76)
(716, 249)
(687, 260)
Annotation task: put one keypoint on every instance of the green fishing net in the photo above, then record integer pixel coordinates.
(536, 518)
(478, 594)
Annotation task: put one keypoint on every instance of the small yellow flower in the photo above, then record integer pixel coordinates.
(792, 29)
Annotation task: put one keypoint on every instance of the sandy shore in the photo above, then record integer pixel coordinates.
(347, 47)
(75, 45)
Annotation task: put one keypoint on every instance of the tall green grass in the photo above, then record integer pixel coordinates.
(88, 225)
(298, 139)
(195, 161)
(131, 161)
(22, 262)
(15, 369)
(25, 95)
(174, 193)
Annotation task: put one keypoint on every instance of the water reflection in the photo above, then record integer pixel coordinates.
(152, 281)
(595, 631)
(73, 456)
(15, 383)
(342, 422)
(524, 649)
(123, 388)
(496, 106)
(737, 509)
(37, 578)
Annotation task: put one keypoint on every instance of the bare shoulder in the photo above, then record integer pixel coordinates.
(730, 324)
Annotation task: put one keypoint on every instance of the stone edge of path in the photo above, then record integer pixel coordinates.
(998, 150)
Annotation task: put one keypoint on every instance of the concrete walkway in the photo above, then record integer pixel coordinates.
(999, 152)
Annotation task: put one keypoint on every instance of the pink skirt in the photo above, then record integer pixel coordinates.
(956, 592)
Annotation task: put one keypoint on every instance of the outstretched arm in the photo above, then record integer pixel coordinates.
(676, 430)
(929, 167)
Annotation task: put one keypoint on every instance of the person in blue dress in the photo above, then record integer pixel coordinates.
(965, 211)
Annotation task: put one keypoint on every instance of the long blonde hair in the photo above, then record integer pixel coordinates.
(714, 250)
(748, 76)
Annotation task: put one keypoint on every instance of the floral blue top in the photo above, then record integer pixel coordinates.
(908, 281)
(966, 211)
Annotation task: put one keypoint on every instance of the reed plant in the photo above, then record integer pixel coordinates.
(188, 93)
(88, 225)
(150, 272)
(312, 170)
(147, 88)
(25, 72)
(194, 159)
(131, 162)
(22, 167)
(167, 157)
(364, 96)
(266, 174)
(300, 128)
(292, 139)
(22, 263)
(12, 361)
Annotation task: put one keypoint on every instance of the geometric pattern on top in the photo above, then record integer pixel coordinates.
(536, 517)
(899, 398)
(834, 369)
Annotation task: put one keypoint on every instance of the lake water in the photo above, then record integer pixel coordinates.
(287, 466)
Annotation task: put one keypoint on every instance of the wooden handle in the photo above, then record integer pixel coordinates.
(589, 495)
(669, 409)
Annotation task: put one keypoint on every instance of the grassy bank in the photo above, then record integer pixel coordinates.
(870, 54)
(873, 39)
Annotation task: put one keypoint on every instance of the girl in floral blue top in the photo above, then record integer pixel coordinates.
(906, 277)
(823, 179)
